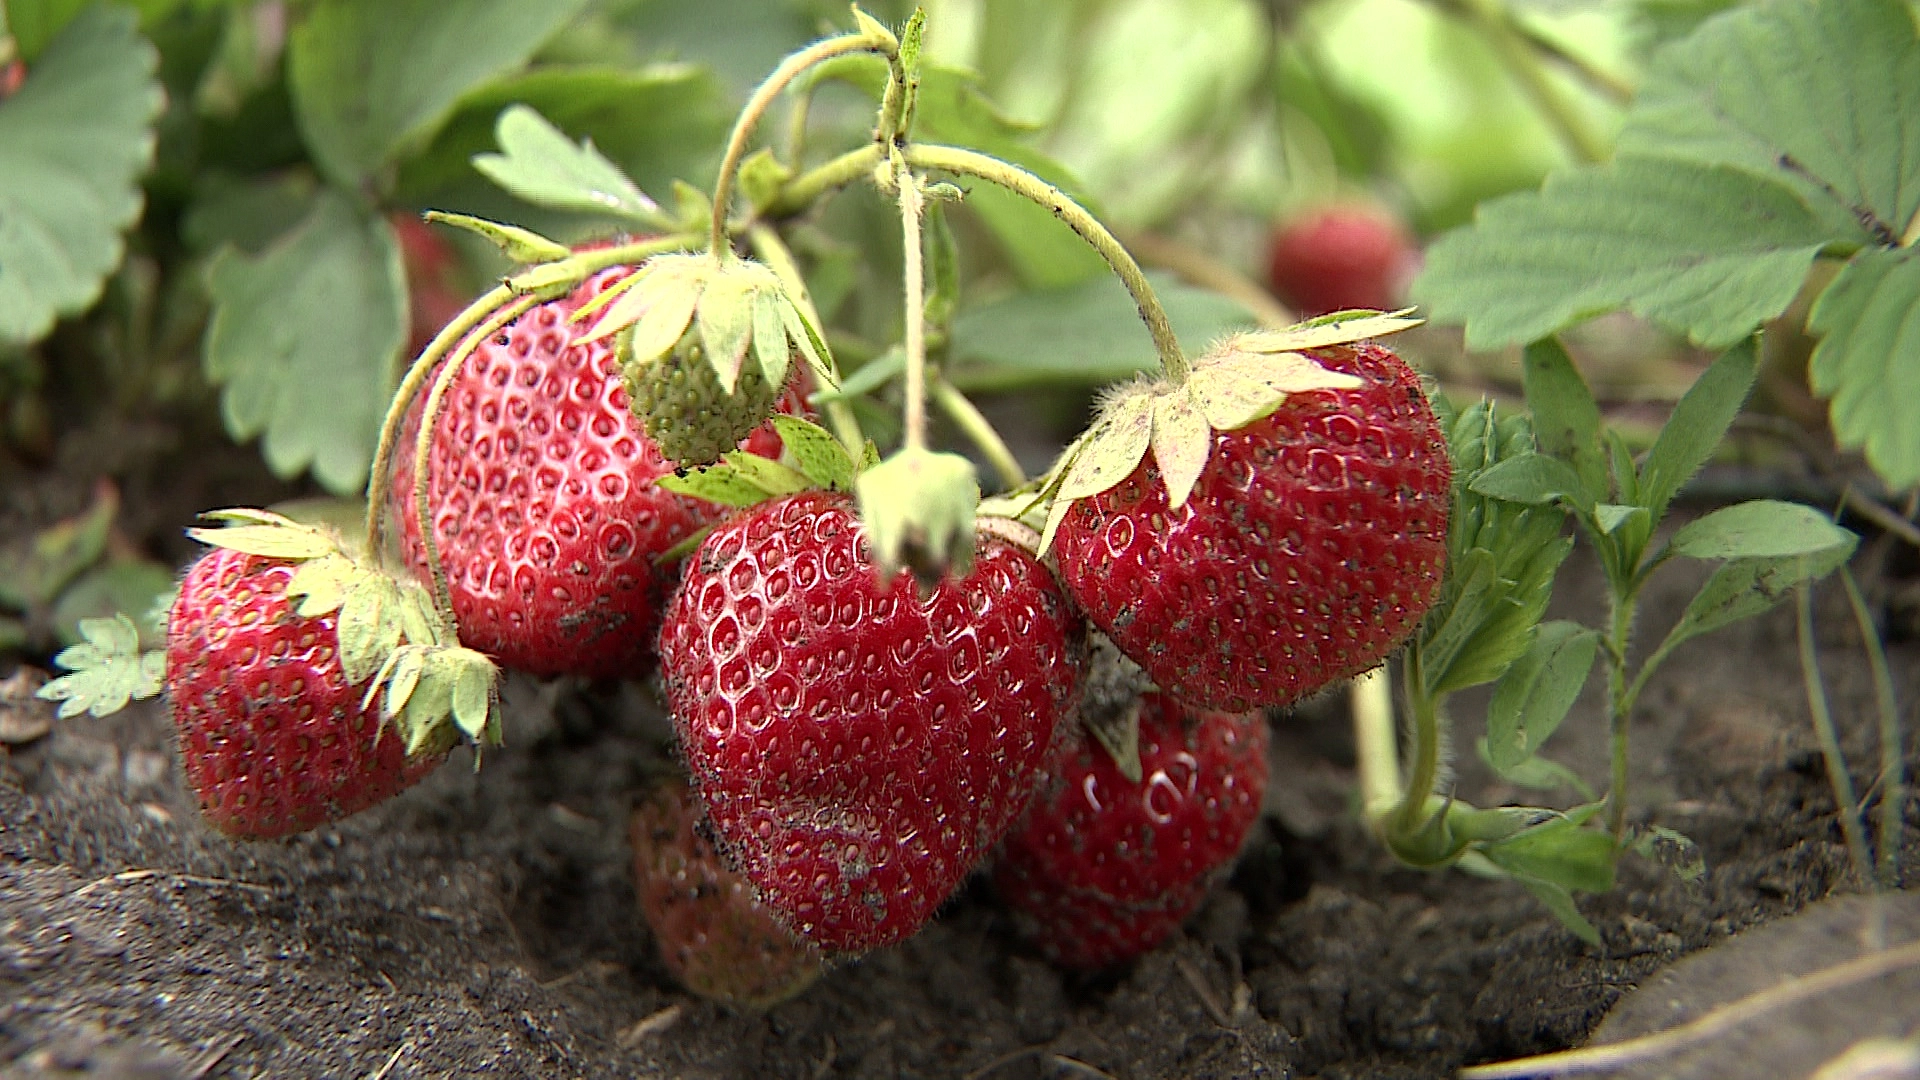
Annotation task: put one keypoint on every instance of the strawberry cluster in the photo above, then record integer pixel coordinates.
(859, 740)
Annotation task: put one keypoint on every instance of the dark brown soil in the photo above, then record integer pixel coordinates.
(485, 921)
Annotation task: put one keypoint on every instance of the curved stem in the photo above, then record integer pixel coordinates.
(913, 204)
(581, 265)
(979, 430)
(423, 446)
(380, 481)
(1523, 64)
(1893, 755)
(953, 159)
(1376, 744)
(1426, 723)
(762, 99)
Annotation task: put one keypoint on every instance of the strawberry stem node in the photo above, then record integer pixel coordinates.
(870, 37)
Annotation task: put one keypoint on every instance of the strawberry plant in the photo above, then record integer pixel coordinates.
(606, 464)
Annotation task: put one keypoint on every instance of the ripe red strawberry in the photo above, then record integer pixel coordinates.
(1311, 545)
(715, 938)
(545, 509)
(861, 746)
(273, 738)
(1341, 257)
(1104, 868)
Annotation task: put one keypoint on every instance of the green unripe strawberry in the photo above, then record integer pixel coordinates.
(689, 415)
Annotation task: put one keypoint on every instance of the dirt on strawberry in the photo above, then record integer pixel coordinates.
(485, 921)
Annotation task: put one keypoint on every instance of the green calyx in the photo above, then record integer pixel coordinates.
(819, 463)
(918, 506)
(1238, 381)
(678, 399)
(733, 309)
(390, 636)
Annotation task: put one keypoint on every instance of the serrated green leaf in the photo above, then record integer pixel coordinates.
(823, 458)
(1699, 420)
(1620, 467)
(519, 245)
(722, 484)
(1761, 90)
(1566, 420)
(303, 338)
(1763, 528)
(651, 123)
(371, 80)
(1181, 441)
(540, 164)
(1534, 479)
(1533, 696)
(78, 135)
(107, 670)
(1088, 333)
(1743, 588)
(1868, 359)
(1707, 251)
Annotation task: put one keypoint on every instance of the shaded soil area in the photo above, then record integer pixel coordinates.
(486, 920)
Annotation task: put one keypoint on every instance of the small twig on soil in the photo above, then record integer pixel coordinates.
(382, 1071)
(1208, 999)
(1075, 1065)
(214, 1056)
(1708, 1025)
(1007, 1058)
(650, 1025)
(127, 877)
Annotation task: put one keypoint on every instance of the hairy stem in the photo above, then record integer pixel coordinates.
(801, 192)
(762, 99)
(423, 446)
(913, 205)
(962, 162)
(1425, 720)
(979, 430)
(584, 264)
